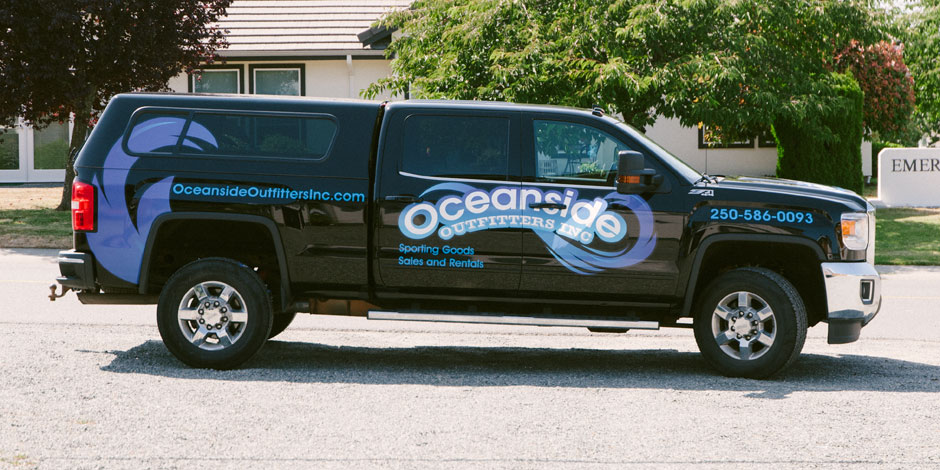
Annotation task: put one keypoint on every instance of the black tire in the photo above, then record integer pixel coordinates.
(720, 319)
(244, 313)
(281, 322)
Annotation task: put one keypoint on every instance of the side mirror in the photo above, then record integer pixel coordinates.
(632, 177)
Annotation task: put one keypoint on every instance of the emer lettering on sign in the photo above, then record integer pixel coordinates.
(920, 164)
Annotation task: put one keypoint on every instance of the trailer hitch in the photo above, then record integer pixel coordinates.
(52, 293)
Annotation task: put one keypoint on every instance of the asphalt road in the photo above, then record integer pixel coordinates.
(93, 387)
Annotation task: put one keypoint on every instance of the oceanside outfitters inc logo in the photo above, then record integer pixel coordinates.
(567, 228)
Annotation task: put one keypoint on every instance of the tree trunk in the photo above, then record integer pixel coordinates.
(79, 132)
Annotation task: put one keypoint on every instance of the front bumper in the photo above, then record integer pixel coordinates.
(853, 297)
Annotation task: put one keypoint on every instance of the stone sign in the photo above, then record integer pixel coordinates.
(909, 177)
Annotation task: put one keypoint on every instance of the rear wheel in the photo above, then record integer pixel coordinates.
(750, 322)
(214, 313)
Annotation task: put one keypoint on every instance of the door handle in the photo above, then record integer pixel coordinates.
(547, 205)
(403, 198)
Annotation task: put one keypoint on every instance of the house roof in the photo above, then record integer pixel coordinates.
(302, 27)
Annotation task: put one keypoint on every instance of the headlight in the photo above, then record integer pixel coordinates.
(855, 230)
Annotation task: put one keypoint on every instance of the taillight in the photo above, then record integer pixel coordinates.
(83, 206)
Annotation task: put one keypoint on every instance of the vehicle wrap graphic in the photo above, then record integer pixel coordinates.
(119, 242)
(567, 225)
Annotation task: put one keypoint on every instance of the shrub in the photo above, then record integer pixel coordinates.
(831, 155)
(886, 82)
(876, 148)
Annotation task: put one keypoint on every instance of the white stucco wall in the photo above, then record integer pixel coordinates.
(322, 78)
(756, 161)
(683, 142)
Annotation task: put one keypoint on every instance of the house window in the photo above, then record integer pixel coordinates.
(766, 140)
(710, 137)
(277, 80)
(9, 149)
(51, 147)
(216, 81)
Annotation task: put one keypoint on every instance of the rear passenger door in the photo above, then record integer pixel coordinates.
(446, 199)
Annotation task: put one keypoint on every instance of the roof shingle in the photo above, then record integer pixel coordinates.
(301, 27)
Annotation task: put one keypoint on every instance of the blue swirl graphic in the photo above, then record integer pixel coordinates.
(586, 260)
(118, 244)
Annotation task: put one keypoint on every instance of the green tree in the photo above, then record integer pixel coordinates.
(59, 57)
(741, 65)
(537, 51)
(920, 30)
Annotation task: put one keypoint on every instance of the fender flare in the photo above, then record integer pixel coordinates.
(255, 219)
(703, 247)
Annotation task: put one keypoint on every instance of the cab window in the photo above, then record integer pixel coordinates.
(571, 151)
(456, 146)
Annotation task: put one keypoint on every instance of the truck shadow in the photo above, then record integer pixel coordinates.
(281, 361)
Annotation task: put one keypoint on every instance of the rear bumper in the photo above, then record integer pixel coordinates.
(77, 270)
(853, 297)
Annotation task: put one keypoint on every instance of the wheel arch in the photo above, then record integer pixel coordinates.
(267, 225)
(795, 258)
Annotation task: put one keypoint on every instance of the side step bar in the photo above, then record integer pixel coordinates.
(497, 319)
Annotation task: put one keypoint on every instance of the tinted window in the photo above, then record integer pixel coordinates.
(156, 132)
(565, 150)
(259, 135)
(456, 146)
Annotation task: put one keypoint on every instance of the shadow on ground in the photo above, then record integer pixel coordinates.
(511, 366)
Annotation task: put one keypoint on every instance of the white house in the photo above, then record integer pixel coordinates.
(326, 48)
(323, 48)
(755, 157)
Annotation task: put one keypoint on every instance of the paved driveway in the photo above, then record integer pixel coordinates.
(93, 387)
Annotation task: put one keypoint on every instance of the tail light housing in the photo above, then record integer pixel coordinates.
(83, 207)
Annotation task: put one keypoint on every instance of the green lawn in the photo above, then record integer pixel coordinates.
(907, 236)
(35, 228)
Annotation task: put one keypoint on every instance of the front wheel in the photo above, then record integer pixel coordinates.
(281, 322)
(750, 322)
(214, 313)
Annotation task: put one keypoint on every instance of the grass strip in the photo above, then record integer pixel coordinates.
(907, 236)
(35, 228)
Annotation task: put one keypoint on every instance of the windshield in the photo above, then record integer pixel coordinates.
(674, 162)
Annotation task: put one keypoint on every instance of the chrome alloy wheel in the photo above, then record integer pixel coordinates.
(212, 315)
(743, 325)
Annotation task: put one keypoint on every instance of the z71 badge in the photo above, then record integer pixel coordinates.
(703, 192)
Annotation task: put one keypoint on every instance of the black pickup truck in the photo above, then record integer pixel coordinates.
(234, 213)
